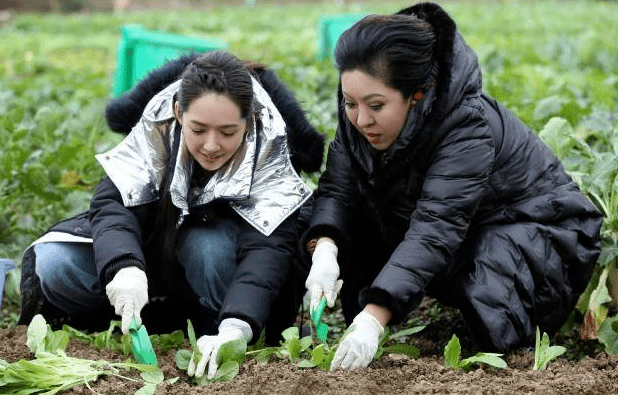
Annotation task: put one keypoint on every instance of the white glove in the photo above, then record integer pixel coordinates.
(229, 329)
(358, 347)
(322, 279)
(128, 293)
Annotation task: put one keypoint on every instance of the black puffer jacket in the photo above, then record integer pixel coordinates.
(462, 163)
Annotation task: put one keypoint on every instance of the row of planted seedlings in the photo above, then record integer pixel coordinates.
(52, 370)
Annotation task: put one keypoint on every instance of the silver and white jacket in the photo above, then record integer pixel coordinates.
(258, 181)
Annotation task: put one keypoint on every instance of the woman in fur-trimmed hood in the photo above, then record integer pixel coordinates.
(433, 188)
(200, 207)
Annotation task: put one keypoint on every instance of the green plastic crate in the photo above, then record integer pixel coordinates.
(330, 27)
(141, 51)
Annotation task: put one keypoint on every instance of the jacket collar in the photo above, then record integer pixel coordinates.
(259, 181)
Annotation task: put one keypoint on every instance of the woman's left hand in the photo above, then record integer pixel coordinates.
(358, 347)
(230, 329)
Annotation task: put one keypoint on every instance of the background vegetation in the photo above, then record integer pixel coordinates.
(553, 63)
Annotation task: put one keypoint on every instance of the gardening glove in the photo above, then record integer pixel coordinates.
(358, 347)
(128, 293)
(229, 329)
(322, 279)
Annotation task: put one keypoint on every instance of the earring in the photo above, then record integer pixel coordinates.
(418, 96)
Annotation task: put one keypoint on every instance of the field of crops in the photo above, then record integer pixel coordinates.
(553, 63)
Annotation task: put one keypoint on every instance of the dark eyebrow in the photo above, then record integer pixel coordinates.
(367, 97)
(228, 126)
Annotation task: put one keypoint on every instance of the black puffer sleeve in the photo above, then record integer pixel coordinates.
(117, 231)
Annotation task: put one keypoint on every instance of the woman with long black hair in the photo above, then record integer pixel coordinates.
(433, 188)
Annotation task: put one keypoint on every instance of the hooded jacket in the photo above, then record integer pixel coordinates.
(461, 163)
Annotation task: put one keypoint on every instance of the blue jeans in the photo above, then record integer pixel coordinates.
(207, 252)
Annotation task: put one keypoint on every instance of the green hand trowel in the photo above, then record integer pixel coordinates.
(141, 345)
(321, 327)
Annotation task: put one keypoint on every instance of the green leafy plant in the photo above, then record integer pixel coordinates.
(41, 338)
(291, 348)
(389, 343)
(452, 353)
(53, 371)
(590, 155)
(310, 352)
(229, 358)
(103, 340)
(543, 352)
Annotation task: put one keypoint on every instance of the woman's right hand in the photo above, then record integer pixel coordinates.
(324, 273)
(128, 293)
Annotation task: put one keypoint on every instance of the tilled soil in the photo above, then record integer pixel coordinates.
(583, 370)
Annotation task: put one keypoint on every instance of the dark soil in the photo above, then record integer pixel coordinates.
(583, 370)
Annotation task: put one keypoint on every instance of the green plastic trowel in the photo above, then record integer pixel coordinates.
(321, 327)
(141, 345)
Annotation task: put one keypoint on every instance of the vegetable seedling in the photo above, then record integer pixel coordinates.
(452, 352)
(321, 327)
(543, 352)
(141, 345)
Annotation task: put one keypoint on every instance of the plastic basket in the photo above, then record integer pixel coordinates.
(330, 27)
(141, 51)
(5, 266)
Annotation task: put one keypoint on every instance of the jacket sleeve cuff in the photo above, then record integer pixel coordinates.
(382, 298)
(112, 268)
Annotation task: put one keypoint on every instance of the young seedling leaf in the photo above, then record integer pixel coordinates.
(491, 359)
(452, 352)
(58, 340)
(608, 334)
(543, 352)
(193, 341)
(290, 333)
(152, 377)
(305, 343)
(404, 349)
(148, 389)
(227, 371)
(37, 331)
(293, 349)
(407, 332)
(166, 342)
(182, 359)
(385, 336)
(305, 363)
(233, 350)
(265, 354)
(318, 354)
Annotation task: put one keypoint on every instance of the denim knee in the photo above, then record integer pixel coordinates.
(68, 276)
(208, 255)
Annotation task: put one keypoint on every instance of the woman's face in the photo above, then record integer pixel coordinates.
(213, 129)
(376, 110)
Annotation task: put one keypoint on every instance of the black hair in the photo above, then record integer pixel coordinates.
(221, 73)
(396, 49)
